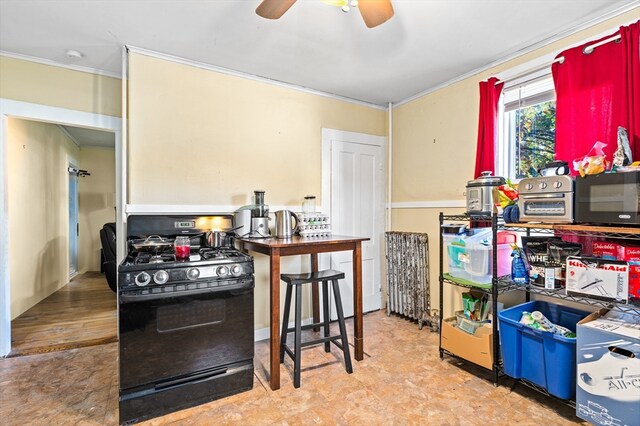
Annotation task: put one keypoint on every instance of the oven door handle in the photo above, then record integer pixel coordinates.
(234, 290)
(528, 197)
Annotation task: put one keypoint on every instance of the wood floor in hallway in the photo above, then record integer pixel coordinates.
(82, 313)
(401, 381)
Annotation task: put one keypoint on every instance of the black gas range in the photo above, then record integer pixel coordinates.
(144, 273)
(186, 328)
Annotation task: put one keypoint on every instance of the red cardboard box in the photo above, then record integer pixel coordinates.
(605, 249)
(629, 253)
(634, 280)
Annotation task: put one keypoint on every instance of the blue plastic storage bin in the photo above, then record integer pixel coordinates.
(543, 358)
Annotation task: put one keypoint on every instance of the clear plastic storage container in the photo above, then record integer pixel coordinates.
(479, 265)
(457, 249)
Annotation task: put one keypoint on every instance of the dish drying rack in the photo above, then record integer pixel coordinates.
(314, 225)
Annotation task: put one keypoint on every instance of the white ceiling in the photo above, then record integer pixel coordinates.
(90, 137)
(314, 45)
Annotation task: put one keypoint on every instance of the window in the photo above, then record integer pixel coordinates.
(528, 123)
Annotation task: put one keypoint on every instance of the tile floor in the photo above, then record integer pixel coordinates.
(401, 381)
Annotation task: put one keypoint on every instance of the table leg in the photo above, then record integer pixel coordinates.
(315, 294)
(357, 302)
(274, 281)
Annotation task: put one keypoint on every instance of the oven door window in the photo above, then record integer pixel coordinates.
(545, 207)
(166, 338)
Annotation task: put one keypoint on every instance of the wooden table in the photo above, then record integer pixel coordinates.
(276, 248)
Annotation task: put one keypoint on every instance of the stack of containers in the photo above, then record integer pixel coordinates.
(471, 254)
(457, 244)
(314, 225)
(480, 264)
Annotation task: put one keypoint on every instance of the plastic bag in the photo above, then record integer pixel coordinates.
(622, 156)
(506, 194)
(593, 163)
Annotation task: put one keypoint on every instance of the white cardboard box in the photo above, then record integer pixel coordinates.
(608, 369)
(598, 278)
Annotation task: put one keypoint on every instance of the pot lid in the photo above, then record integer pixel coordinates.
(485, 179)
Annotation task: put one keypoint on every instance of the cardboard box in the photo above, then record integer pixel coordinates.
(477, 348)
(605, 250)
(634, 280)
(608, 369)
(629, 253)
(598, 278)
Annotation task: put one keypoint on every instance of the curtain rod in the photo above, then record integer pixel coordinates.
(587, 50)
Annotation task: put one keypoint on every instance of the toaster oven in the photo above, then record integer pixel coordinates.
(546, 199)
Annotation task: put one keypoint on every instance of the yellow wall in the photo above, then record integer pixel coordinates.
(202, 137)
(55, 86)
(96, 202)
(434, 144)
(38, 199)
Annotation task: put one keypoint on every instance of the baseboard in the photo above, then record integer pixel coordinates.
(264, 333)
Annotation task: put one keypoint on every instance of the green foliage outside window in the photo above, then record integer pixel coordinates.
(535, 137)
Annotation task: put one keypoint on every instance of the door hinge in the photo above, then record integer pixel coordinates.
(78, 229)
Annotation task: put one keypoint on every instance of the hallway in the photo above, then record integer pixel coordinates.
(82, 313)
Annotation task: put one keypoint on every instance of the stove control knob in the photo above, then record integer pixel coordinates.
(529, 186)
(236, 270)
(142, 279)
(543, 185)
(193, 273)
(161, 277)
(222, 271)
(558, 184)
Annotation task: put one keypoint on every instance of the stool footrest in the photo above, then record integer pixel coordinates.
(306, 327)
(321, 340)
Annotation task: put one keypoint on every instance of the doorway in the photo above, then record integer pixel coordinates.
(353, 185)
(74, 225)
(10, 109)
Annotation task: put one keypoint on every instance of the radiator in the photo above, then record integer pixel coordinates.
(407, 255)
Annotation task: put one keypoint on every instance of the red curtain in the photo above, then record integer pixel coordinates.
(596, 93)
(487, 126)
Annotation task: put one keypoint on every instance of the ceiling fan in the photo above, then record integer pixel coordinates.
(374, 12)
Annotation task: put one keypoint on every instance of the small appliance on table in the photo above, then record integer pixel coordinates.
(480, 194)
(186, 316)
(252, 221)
(546, 199)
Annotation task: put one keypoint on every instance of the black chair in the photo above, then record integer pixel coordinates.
(109, 266)
(297, 280)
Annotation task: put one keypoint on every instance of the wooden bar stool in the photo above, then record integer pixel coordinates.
(297, 280)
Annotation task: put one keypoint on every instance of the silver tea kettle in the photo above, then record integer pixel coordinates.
(285, 227)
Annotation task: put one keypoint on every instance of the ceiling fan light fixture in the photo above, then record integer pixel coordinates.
(337, 3)
(373, 12)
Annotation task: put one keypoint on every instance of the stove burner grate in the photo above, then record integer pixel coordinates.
(208, 253)
(144, 258)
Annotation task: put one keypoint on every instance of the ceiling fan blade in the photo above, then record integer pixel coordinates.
(375, 12)
(273, 9)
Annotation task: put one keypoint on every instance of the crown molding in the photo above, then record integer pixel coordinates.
(59, 64)
(535, 46)
(227, 71)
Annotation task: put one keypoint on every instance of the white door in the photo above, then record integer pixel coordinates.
(357, 209)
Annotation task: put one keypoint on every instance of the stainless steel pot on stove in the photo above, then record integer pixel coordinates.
(153, 243)
(219, 238)
(480, 193)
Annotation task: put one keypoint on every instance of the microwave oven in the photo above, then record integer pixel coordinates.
(608, 198)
